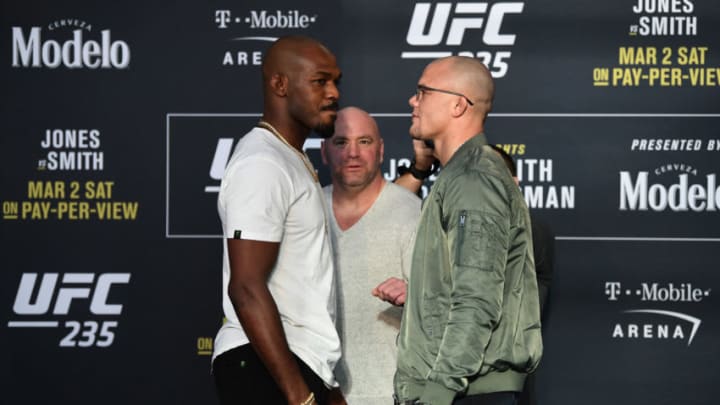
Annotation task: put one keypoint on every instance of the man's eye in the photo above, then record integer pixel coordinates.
(321, 81)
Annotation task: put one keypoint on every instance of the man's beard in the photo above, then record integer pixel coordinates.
(357, 182)
(327, 130)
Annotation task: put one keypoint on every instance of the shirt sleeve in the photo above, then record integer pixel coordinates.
(476, 210)
(255, 195)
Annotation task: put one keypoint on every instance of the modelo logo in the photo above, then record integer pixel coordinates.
(75, 53)
(638, 195)
(65, 295)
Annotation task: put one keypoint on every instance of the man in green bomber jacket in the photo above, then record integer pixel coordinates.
(470, 330)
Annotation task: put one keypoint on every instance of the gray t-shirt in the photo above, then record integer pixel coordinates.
(375, 248)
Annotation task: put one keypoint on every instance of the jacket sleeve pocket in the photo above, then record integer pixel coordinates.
(481, 240)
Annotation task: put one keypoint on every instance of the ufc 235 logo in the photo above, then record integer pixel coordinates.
(483, 19)
(57, 294)
(222, 157)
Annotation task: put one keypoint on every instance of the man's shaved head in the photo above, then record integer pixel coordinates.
(472, 76)
(287, 54)
(300, 85)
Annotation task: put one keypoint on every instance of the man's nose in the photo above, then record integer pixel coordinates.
(353, 149)
(413, 100)
(332, 91)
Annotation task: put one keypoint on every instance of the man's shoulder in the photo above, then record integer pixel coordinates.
(254, 144)
(401, 195)
(256, 149)
(485, 167)
(481, 179)
(396, 206)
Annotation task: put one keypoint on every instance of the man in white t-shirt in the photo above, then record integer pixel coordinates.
(373, 224)
(279, 344)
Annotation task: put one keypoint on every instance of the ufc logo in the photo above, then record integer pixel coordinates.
(221, 158)
(460, 22)
(223, 150)
(98, 290)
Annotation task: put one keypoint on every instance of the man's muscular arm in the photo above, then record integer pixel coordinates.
(250, 265)
(424, 160)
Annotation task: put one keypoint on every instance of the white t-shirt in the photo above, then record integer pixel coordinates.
(268, 194)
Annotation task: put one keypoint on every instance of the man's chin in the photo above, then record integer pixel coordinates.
(354, 184)
(325, 130)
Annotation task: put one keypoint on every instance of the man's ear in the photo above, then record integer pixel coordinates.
(382, 151)
(460, 107)
(279, 84)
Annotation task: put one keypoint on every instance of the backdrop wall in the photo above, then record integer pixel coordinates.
(117, 119)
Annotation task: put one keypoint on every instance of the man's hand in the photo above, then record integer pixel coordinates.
(422, 161)
(424, 156)
(392, 290)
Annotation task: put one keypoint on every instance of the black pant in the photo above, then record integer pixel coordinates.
(242, 379)
(495, 398)
(527, 397)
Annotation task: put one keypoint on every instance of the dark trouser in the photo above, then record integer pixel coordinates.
(242, 379)
(495, 398)
(528, 395)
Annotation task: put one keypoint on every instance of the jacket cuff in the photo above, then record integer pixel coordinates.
(436, 394)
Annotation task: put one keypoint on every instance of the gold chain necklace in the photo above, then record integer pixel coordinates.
(303, 156)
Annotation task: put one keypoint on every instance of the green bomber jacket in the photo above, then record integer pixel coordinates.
(471, 322)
